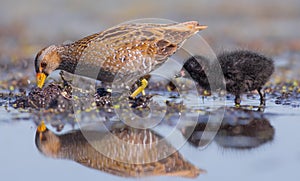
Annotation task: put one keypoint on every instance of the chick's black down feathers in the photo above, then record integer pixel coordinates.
(243, 71)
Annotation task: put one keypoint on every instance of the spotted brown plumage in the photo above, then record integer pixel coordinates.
(122, 50)
(75, 146)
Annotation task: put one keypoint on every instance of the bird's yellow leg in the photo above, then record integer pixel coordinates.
(143, 92)
(140, 89)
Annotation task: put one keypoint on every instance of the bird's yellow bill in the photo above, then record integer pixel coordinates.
(40, 79)
(202, 27)
(41, 127)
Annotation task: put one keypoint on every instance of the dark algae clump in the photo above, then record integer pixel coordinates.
(59, 98)
(44, 98)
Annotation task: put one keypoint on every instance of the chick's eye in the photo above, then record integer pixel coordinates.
(43, 64)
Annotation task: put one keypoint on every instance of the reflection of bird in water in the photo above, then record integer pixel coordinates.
(240, 129)
(74, 146)
(243, 71)
(122, 50)
(254, 134)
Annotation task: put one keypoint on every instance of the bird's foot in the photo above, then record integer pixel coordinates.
(261, 108)
(206, 93)
(140, 89)
(237, 101)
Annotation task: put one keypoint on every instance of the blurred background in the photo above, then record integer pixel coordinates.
(270, 26)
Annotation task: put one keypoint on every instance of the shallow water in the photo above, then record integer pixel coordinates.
(267, 149)
(251, 145)
(277, 158)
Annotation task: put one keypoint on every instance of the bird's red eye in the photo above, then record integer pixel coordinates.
(43, 64)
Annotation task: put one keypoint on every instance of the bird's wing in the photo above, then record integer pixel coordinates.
(136, 46)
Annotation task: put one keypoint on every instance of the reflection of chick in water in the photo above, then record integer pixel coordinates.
(252, 135)
(240, 129)
(74, 146)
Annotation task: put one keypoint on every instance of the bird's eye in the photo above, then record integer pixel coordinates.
(43, 64)
(43, 138)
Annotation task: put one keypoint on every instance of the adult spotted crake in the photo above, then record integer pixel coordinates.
(120, 50)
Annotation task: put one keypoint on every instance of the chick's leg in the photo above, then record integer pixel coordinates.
(237, 100)
(262, 96)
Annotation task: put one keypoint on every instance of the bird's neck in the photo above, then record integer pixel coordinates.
(69, 56)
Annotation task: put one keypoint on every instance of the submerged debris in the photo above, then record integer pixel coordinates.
(140, 102)
(59, 97)
(286, 93)
(45, 98)
(103, 98)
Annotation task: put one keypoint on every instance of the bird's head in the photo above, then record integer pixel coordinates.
(46, 61)
(46, 141)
